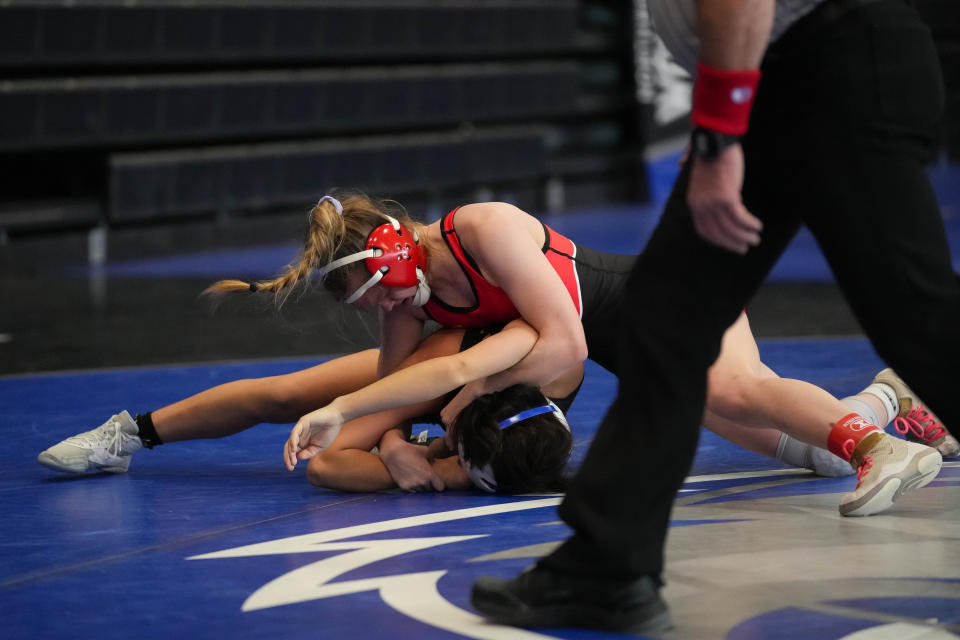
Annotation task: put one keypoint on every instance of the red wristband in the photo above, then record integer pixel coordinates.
(722, 98)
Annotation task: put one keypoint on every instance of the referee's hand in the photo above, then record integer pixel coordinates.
(714, 198)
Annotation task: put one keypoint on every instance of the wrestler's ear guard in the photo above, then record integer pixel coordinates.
(394, 257)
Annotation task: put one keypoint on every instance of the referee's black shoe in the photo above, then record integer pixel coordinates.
(540, 597)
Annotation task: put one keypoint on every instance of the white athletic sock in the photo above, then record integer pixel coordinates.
(866, 411)
(821, 461)
(793, 452)
(888, 396)
(805, 456)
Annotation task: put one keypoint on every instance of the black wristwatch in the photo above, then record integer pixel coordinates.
(708, 144)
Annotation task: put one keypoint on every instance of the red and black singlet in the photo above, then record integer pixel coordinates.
(493, 306)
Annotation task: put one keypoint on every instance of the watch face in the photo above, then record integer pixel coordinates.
(701, 143)
(704, 144)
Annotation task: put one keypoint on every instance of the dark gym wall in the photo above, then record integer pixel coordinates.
(145, 113)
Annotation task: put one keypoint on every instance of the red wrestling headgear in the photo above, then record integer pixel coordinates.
(394, 257)
(401, 254)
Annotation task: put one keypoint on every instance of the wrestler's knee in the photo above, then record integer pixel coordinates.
(281, 399)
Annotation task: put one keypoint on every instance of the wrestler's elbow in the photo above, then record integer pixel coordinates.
(579, 348)
(320, 470)
(571, 347)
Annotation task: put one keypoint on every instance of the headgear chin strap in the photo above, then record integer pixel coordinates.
(394, 256)
(483, 477)
(423, 290)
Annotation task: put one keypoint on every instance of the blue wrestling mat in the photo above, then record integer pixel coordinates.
(214, 539)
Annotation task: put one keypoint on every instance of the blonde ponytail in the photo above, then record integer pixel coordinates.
(330, 235)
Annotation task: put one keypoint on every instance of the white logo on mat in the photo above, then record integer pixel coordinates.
(413, 594)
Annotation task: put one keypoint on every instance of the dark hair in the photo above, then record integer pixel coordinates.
(526, 457)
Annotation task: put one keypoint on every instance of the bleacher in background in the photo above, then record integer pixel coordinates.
(117, 113)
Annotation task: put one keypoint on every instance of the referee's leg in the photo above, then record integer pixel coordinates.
(870, 203)
(680, 298)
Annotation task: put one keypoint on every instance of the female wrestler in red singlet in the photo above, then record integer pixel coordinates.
(487, 263)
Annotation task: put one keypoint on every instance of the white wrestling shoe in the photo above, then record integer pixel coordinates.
(887, 471)
(915, 421)
(109, 447)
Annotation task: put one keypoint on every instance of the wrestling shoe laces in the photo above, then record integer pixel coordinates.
(108, 448)
(865, 465)
(911, 407)
(848, 447)
(108, 436)
(921, 425)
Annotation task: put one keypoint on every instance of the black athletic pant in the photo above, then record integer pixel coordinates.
(839, 138)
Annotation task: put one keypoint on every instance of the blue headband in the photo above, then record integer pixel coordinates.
(529, 413)
(483, 476)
